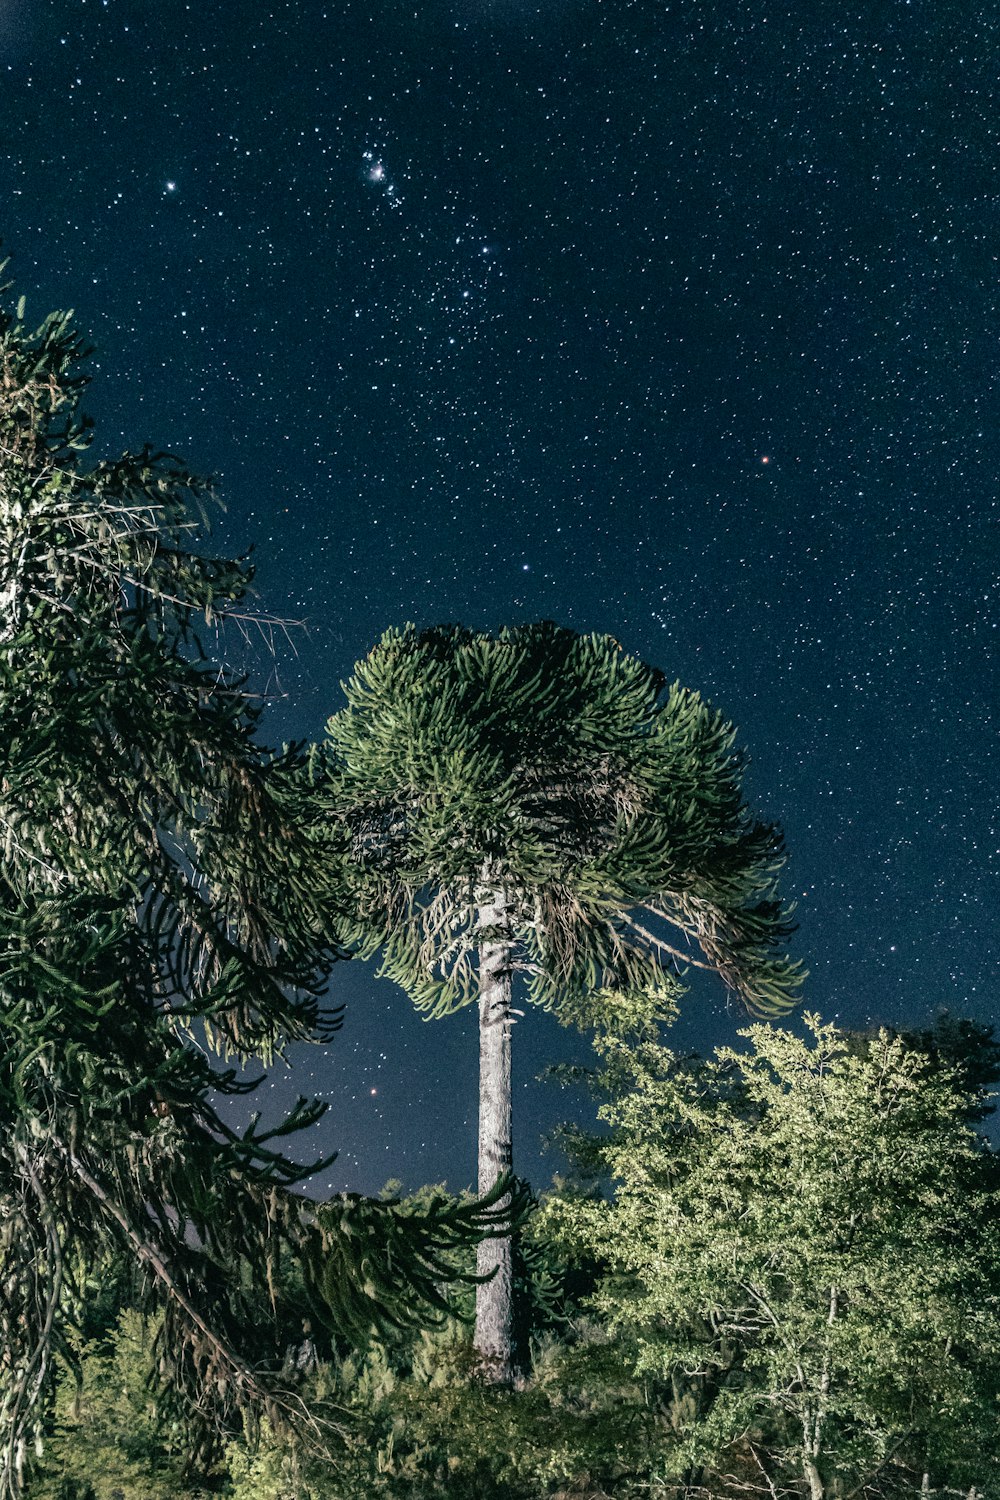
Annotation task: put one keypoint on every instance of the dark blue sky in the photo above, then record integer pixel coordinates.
(678, 321)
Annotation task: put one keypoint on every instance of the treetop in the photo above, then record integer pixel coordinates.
(565, 772)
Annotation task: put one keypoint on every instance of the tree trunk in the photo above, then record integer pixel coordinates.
(812, 1424)
(815, 1481)
(494, 1298)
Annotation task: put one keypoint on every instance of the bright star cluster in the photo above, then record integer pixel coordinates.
(376, 174)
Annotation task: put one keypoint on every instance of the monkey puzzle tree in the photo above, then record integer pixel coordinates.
(158, 890)
(539, 803)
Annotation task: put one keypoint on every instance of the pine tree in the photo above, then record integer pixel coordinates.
(159, 914)
(540, 803)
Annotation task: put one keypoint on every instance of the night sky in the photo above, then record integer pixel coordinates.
(677, 321)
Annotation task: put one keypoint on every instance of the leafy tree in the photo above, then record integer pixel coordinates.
(800, 1239)
(539, 803)
(158, 900)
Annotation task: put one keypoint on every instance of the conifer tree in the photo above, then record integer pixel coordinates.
(540, 803)
(158, 900)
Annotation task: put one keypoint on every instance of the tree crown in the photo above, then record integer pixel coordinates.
(563, 772)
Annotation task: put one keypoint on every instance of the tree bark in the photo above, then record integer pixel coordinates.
(495, 1298)
(815, 1481)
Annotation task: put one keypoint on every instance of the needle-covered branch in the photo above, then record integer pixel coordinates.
(605, 803)
(160, 893)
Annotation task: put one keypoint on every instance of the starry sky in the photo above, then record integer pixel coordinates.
(673, 320)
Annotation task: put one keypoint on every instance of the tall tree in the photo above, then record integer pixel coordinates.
(539, 803)
(158, 900)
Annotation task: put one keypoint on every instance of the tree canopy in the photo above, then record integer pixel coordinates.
(566, 771)
(797, 1242)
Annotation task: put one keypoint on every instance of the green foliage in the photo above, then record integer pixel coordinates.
(559, 770)
(160, 888)
(419, 1420)
(109, 1438)
(408, 1416)
(794, 1290)
(365, 1246)
(423, 1424)
(800, 1235)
